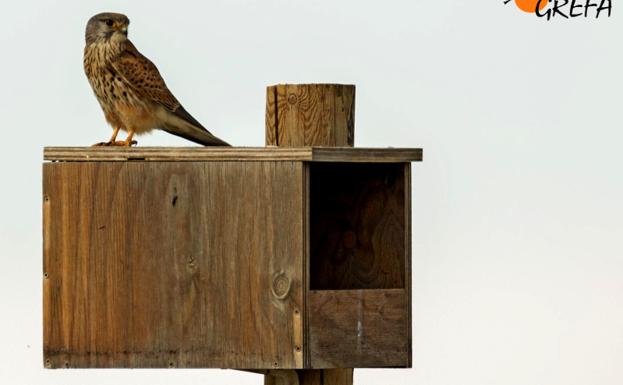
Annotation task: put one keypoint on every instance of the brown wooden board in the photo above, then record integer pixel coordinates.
(178, 154)
(408, 259)
(359, 328)
(173, 264)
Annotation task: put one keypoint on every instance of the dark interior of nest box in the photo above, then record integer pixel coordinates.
(357, 226)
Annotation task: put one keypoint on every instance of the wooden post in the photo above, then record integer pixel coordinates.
(310, 115)
(309, 377)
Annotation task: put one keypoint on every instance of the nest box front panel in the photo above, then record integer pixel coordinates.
(173, 264)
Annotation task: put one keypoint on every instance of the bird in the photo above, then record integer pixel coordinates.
(129, 87)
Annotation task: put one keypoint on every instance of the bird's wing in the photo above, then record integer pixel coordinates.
(143, 76)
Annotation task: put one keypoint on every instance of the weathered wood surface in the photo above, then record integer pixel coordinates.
(178, 154)
(359, 328)
(309, 377)
(408, 261)
(357, 226)
(164, 264)
(310, 115)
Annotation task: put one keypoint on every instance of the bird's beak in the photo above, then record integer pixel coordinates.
(122, 28)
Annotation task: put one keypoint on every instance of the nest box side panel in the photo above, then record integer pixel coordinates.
(173, 264)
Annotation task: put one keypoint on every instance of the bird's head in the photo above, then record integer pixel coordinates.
(107, 26)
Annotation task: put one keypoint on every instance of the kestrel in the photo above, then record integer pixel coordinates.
(129, 87)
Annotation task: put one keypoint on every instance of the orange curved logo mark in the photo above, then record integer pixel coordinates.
(530, 5)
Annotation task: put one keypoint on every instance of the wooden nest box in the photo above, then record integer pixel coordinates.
(288, 257)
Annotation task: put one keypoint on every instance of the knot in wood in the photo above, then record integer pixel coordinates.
(281, 285)
(292, 99)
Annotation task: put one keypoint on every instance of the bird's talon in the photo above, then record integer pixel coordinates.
(117, 143)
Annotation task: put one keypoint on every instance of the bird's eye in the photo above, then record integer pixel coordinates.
(109, 23)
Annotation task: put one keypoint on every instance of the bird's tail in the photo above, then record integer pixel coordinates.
(182, 124)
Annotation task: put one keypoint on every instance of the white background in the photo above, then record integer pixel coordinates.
(518, 213)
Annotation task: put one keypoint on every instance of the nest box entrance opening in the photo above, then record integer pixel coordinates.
(357, 226)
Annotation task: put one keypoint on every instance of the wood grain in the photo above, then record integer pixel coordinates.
(271, 117)
(408, 261)
(173, 264)
(359, 328)
(357, 226)
(310, 114)
(193, 154)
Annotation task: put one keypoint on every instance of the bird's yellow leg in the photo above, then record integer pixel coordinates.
(128, 142)
(114, 135)
(111, 141)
